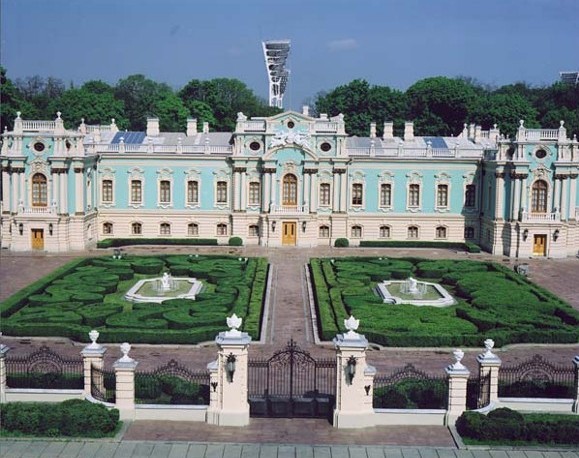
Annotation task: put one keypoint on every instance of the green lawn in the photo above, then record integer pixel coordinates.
(493, 302)
(89, 294)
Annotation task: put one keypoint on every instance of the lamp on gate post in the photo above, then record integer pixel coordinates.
(351, 368)
(230, 367)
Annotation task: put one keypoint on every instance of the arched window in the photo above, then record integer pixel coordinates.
(165, 229)
(384, 232)
(412, 232)
(107, 228)
(356, 232)
(324, 232)
(254, 230)
(193, 229)
(192, 192)
(222, 229)
(290, 190)
(39, 190)
(441, 232)
(539, 197)
(136, 228)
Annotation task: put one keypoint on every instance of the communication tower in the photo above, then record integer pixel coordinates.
(275, 53)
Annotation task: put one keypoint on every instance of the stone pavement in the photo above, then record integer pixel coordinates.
(134, 449)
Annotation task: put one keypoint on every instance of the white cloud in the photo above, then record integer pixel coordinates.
(344, 44)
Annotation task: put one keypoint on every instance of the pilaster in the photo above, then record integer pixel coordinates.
(457, 382)
(354, 380)
(228, 376)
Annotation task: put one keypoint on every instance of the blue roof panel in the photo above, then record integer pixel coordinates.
(437, 142)
(129, 137)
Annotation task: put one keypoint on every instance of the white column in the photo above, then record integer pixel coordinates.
(243, 191)
(336, 193)
(266, 191)
(274, 184)
(78, 191)
(557, 195)
(7, 201)
(517, 202)
(524, 193)
(573, 196)
(306, 192)
(15, 181)
(56, 190)
(564, 193)
(354, 404)
(343, 192)
(314, 193)
(228, 404)
(22, 190)
(63, 190)
(500, 195)
(235, 190)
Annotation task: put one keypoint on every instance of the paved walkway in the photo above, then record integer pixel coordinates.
(134, 449)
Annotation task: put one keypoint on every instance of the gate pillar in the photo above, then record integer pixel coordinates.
(489, 364)
(92, 355)
(228, 404)
(3, 350)
(457, 382)
(355, 380)
(576, 391)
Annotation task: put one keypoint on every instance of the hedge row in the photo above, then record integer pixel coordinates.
(73, 418)
(114, 243)
(506, 425)
(467, 246)
(492, 302)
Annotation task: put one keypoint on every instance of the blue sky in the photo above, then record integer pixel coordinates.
(387, 42)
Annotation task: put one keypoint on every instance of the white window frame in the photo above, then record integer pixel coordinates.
(387, 229)
(414, 178)
(165, 175)
(136, 174)
(193, 225)
(162, 226)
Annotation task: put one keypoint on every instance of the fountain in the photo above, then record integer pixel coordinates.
(164, 288)
(414, 292)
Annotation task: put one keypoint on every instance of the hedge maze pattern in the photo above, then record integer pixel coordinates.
(493, 302)
(89, 294)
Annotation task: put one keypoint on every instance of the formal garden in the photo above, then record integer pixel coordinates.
(491, 301)
(89, 293)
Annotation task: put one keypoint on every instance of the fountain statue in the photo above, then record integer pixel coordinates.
(412, 286)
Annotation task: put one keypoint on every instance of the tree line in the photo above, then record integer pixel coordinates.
(438, 106)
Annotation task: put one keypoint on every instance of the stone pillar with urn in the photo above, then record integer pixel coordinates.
(125, 383)
(355, 380)
(92, 355)
(228, 404)
(489, 365)
(576, 390)
(3, 350)
(457, 384)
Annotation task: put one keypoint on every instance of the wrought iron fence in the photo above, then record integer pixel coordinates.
(537, 378)
(478, 392)
(172, 384)
(103, 384)
(409, 388)
(46, 369)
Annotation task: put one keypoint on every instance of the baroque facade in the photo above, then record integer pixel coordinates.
(288, 180)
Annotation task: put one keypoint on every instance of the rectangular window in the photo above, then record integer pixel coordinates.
(470, 195)
(193, 229)
(386, 195)
(254, 230)
(441, 232)
(325, 194)
(384, 232)
(165, 192)
(414, 195)
(324, 232)
(442, 195)
(221, 197)
(136, 192)
(222, 229)
(356, 232)
(107, 191)
(412, 232)
(192, 192)
(136, 229)
(165, 229)
(357, 191)
(254, 193)
(469, 232)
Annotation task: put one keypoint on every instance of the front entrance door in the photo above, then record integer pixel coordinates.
(292, 384)
(539, 245)
(38, 239)
(288, 234)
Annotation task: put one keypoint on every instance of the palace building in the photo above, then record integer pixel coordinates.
(288, 180)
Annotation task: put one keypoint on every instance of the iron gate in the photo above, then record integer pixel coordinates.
(292, 384)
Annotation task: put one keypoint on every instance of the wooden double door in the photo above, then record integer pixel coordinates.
(539, 245)
(37, 239)
(288, 233)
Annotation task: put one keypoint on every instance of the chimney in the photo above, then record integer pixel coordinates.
(191, 127)
(388, 130)
(152, 127)
(372, 130)
(408, 131)
(306, 110)
(471, 131)
(477, 133)
(205, 127)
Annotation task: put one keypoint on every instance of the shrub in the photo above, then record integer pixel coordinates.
(113, 243)
(74, 418)
(342, 243)
(235, 241)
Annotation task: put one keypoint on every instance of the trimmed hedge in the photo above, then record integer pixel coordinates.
(73, 418)
(506, 425)
(342, 243)
(235, 241)
(114, 243)
(467, 246)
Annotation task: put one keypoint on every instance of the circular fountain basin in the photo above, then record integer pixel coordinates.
(144, 290)
(437, 296)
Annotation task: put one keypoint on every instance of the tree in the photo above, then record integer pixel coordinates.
(172, 113)
(94, 107)
(40, 92)
(226, 97)
(98, 87)
(11, 101)
(202, 112)
(140, 96)
(362, 104)
(440, 105)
